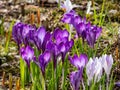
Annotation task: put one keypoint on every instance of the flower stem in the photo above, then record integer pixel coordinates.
(107, 82)
(55, 78)
(83, 84)
(63, 76)
(100, 87)
(70, 31)
(44, 84)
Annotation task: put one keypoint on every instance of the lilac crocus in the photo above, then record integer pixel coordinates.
(43, 60)
(107, 61)
(75, 79)
(27, 54)
(80, 61)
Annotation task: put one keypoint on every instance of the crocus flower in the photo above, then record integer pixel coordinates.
(90, 70)
(27, 54)
(69, 17)
(52, 47)
(98, 69)
(68, 5)
(76, 20)
(61, 40)
(83, 28)
(117, 84)
(64, 48)
(60, 36)
(43, 60)
(80, 61)
(17, 32)
(20, 32)
(41, 37)
(75, 78)
(59, 45)
(107, 61)
(92, 35)
(25, 32)
(93, 68)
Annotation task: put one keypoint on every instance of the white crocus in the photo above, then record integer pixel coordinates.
(94, 70)
(90, 70)
(98, 69)
(68, 6)
(107, 63)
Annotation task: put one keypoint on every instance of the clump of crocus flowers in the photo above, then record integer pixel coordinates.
(94, 69)
(56, 44)
(50, 45)
(84, 29)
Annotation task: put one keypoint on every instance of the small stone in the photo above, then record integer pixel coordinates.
(4, 65)
(3, 11)
(113, 12)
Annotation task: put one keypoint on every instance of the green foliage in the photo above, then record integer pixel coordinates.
(1, 27)
(9, 37)
(24, 73)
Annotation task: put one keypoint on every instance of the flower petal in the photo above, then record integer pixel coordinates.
(41, 33)
(75, 78)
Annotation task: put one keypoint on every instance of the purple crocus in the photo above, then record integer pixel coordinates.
(75, 78)
(64, 48)
(79, 61)
(76, 20)
(83, 28)
(25, 33)
(17, 33)
(27, 54)
(41, 37)
(60, 36)
(68, 17)
(53, 48)
(62, 42)
(92, 35)
(21, 31)
(43, 60)
(117, 83)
